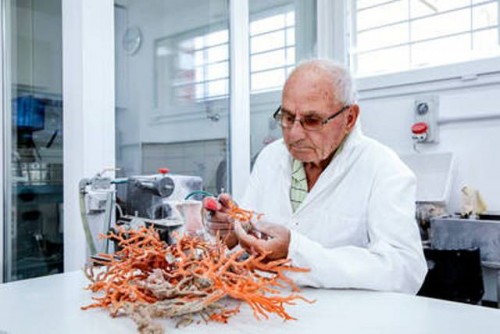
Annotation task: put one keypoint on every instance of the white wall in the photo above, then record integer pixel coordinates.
(474, 144)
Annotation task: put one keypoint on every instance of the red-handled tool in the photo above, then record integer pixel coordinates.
(211, 204)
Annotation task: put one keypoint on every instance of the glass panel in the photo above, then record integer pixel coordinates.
(388, 60)
(267, 41)
(432, 32)
(369, 3)
(485, 42)
(218, 37)
(383, 37)
(282, 33)
(290, 36)
(420, 8)
(217, 88)
(177, 86)
(290, 19)
(290, 56)
(194, 56)
(199, 56)
(441, 51)
(217, 53)
(485, 16)
(263, 61)
(381, 15)
(427, 7)
(34, 182)
(441, 25)
(268, 23)
(217, 71)
(264, 81)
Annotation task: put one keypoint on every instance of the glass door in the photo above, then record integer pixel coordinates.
(282, 33)
(32, 126)
(172, 88)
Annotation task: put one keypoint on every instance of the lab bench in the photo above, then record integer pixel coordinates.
(52, 305)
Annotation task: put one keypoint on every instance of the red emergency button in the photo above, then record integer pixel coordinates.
(163, 170)
(419, 128)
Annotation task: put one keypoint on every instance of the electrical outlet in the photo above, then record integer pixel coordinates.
(426, 111)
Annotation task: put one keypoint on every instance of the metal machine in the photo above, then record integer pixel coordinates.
(144, 200)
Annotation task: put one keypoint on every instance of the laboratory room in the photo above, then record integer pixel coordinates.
(243, 166)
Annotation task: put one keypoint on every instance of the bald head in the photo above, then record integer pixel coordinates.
(336, 75)
(320, 90)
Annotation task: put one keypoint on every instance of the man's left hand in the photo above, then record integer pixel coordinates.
(275, 245)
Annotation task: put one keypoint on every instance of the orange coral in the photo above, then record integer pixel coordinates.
(188, 277)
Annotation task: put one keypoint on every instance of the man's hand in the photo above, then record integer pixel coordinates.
(275, 245)
(218, 221)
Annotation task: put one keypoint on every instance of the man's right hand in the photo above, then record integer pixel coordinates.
(218, 221)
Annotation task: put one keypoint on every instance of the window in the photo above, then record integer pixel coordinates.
(399, 35)
(201, 71)
(194, 66)
(272, 49)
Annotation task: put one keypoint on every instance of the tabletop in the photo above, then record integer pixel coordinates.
(52, 305)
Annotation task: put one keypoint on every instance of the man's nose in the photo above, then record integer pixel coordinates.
(296, 130)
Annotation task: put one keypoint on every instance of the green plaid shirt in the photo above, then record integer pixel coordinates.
(298, 190)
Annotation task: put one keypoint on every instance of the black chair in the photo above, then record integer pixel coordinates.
(454, 275)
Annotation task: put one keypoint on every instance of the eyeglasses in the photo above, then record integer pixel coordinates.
(309, 123)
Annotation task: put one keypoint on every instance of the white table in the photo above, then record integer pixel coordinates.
(52, 305)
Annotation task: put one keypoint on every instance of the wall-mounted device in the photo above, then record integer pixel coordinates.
(30, 117)
(425, 128)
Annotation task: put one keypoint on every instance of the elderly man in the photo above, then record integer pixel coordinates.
(333, 200)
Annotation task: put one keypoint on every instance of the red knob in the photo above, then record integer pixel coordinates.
(163, 170)
(419, 128)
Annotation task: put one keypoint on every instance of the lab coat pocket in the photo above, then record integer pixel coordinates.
(344, 230)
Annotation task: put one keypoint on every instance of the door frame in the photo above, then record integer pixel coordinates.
(239, 108)
(89, 109)
(5, 142)
(2, 134)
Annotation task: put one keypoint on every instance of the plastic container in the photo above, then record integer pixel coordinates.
(434, 174)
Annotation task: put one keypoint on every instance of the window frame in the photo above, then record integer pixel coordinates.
(206, 30)
(470, 73)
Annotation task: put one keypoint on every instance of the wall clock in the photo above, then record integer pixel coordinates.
(132, 40)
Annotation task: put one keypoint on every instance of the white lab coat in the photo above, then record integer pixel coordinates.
(356, 227)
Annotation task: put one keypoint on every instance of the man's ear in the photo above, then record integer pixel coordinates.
(352, 116)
